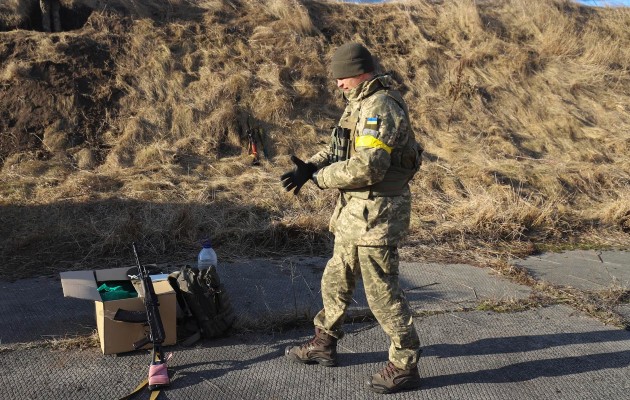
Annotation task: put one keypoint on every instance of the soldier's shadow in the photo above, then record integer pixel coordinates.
(529, 370)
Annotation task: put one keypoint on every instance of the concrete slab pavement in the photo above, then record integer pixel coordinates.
(582, 269)
(35, 309)
(547, 353)
(263, 292)
(554, 352)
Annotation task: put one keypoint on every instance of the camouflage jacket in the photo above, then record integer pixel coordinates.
(374, 206)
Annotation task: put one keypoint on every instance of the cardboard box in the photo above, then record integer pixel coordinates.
(117, 336)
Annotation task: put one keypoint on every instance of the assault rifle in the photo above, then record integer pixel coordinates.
(156, 328)
(158, 374)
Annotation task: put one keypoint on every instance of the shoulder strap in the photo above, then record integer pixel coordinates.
(183, 305)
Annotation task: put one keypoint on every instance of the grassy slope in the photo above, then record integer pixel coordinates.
(522, 107)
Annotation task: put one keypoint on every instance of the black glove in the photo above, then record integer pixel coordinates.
(298, 177)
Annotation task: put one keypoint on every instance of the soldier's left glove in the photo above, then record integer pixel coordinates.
(297, 178)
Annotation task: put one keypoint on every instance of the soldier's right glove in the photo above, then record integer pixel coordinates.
(297, 178)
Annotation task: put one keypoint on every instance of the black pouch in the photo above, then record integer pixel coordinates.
(339, 144)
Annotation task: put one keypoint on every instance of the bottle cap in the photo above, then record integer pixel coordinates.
(206, 243)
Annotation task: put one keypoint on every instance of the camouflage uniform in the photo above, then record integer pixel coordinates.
(372, 214)
(50, 13)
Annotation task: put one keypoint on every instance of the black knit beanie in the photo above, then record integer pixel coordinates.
(351, 59)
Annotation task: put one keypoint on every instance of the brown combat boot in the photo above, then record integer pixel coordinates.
(321, 349)
(391, 379)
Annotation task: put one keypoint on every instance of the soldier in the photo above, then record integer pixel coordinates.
(372, 157)
(50, 13)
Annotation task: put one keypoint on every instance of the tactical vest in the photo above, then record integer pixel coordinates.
(405, 160)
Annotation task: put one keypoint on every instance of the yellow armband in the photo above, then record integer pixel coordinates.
(371, 141)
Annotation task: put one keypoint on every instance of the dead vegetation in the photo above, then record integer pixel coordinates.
(600, 304)
(63, 343)
(133, 126)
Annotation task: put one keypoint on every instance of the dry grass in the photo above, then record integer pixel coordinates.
(522, 107)
(599, 304)
(74, 342)
(510, 305)
(78, 342)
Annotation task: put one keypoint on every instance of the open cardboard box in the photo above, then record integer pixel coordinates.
(118, 336)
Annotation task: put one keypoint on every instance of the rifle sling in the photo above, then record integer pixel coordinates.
(141, 385)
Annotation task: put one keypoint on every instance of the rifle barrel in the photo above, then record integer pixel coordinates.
(151, 304)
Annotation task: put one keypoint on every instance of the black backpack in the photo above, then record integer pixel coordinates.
(206, 310)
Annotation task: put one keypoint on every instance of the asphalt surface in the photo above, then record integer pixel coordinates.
(469, 351)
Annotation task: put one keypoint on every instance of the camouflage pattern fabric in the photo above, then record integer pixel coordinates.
(378, 267)
(368, 226)
(381, 221)
(359, 218)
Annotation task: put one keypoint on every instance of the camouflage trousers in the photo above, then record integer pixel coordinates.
(378, 267)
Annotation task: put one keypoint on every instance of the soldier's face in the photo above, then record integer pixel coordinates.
(350, 83)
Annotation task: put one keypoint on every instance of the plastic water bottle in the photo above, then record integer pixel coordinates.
(207, 257)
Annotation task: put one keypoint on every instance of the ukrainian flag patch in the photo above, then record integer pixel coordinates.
(371, 123)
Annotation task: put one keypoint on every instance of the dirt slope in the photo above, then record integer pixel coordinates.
(132, 125)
